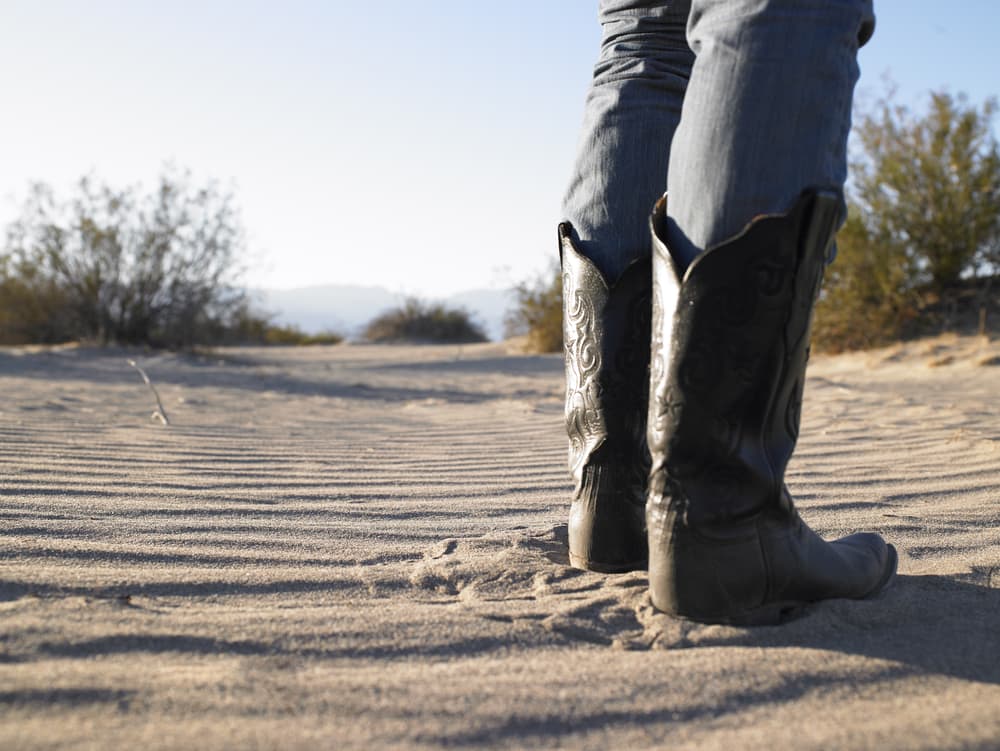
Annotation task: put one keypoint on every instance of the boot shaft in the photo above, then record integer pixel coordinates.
(730, 343)
(606, 334)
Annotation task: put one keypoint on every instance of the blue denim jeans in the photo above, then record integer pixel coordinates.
(734, 106)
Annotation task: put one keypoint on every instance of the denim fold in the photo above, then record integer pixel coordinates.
(732, 106)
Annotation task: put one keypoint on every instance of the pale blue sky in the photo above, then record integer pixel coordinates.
(419, 145)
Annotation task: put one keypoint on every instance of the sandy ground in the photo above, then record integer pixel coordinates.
(363, 547)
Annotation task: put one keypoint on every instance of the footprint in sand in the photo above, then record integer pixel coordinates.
(524, 575)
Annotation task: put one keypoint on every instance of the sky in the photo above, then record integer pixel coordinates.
(421, 146)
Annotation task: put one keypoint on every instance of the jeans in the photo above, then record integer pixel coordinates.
(733, 106)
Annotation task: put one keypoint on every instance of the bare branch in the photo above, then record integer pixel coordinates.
(160, 413)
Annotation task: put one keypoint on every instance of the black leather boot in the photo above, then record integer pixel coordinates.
(729, 350)
(606, 334)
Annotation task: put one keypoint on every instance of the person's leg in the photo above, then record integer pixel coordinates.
(632, 109)
(756, 176)
(767, 112)
(631, 112)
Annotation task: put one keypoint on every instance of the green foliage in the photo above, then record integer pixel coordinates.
(538, 313)
(421, 322)
(930, 185)
(924, 219)
(867, 297)
(120, 266)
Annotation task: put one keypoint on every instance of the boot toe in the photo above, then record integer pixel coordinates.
(873, 560)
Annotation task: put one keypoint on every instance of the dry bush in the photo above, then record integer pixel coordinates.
(294, 336)
(421, 322)
(921, 245)
(162, 268)
(538, 313)
(867, 296)
(249, 326)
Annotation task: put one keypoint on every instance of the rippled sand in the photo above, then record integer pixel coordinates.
(363, 547)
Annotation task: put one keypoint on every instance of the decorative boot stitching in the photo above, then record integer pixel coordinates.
(606, 334)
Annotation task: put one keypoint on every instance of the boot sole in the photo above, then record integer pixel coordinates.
(606, 568)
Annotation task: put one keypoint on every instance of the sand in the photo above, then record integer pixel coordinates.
(364, 547)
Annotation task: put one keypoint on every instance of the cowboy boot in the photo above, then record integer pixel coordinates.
(729, 351)
(606, 337)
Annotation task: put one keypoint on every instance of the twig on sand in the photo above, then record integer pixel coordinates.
(160, 413)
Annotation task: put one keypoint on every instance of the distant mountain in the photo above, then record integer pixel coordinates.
(346, 308)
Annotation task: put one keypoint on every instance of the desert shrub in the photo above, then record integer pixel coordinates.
(294, 336)
(33, 310)
(538, 313)
(868, 295)
(929, 183)
(250, 326)
(923, 232)
(971, 306)
(422, 322)
(160, 268)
